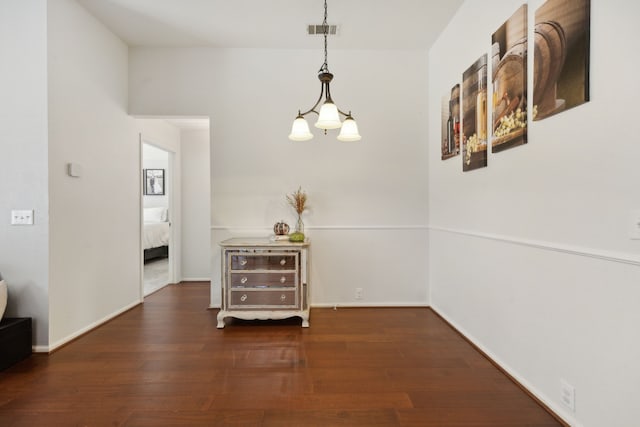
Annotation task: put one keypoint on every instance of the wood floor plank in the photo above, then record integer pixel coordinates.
(165, 363)
(311, 402)
(195, 418)
(474, 417)
(329, 418)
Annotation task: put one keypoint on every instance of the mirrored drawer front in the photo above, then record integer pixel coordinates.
(263, 299)
(267, 280)
(263, 262)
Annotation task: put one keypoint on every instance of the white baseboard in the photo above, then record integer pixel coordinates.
(370, 304)
(196, 279)
(65, 340)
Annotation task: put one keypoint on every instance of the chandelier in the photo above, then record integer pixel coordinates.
(329, 115)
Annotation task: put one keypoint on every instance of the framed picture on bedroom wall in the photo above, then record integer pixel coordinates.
(153, 182)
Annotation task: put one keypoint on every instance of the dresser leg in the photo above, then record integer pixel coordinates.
(220, 320)
(305, 320)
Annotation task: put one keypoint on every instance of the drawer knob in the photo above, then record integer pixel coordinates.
(283, 279)
(243, 262)
(244, 280)
(283, 261)
(283, 297)
(243, 298)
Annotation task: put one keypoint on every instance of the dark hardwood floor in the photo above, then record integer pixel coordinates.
(164, 363)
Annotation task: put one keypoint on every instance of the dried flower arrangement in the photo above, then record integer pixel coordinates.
(298, 200)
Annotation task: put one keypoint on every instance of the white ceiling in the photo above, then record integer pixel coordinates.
(277, 24)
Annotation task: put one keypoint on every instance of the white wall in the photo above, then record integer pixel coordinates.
(531, 257)
(24, 250)
(94, 222)
(156, 158)
(196, 204)
(365, 197)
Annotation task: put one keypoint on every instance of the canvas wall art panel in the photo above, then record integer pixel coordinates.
(450, 146)
(474, 115)
(561, 56)
(509, 79)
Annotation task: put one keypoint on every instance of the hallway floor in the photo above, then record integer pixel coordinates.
(156, 275)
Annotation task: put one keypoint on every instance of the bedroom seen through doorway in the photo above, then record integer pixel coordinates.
(156, 221)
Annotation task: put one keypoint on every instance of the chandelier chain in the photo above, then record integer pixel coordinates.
(325, 30)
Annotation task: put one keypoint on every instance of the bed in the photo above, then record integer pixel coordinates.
(155, 238)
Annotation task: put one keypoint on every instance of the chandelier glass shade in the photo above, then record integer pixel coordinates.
(300, 130)
(329, 114)
(349, 131)
(328, 118)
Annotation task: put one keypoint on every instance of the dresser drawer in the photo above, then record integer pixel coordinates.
(267, 280)
(263, 299)
(263, 262)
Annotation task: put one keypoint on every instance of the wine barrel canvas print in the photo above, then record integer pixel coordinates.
(474, 115)
(509, 77)
(561, 56)
(450, 141)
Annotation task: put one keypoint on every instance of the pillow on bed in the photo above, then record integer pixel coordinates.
(155, 214)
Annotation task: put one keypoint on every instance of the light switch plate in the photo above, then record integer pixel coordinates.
(22, 217)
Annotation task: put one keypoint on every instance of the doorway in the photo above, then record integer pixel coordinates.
(157, 216)
(184, 144)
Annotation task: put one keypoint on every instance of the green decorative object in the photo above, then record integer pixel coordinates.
(296, 237)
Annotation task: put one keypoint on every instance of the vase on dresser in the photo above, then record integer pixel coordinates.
(299, 225)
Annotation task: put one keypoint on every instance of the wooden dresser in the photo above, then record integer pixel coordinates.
(263, 280)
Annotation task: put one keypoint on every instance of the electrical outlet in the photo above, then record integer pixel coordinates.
(22, 217)
(358, 293)
(568, 395)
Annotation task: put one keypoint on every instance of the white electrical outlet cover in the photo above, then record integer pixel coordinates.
(568, 395)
